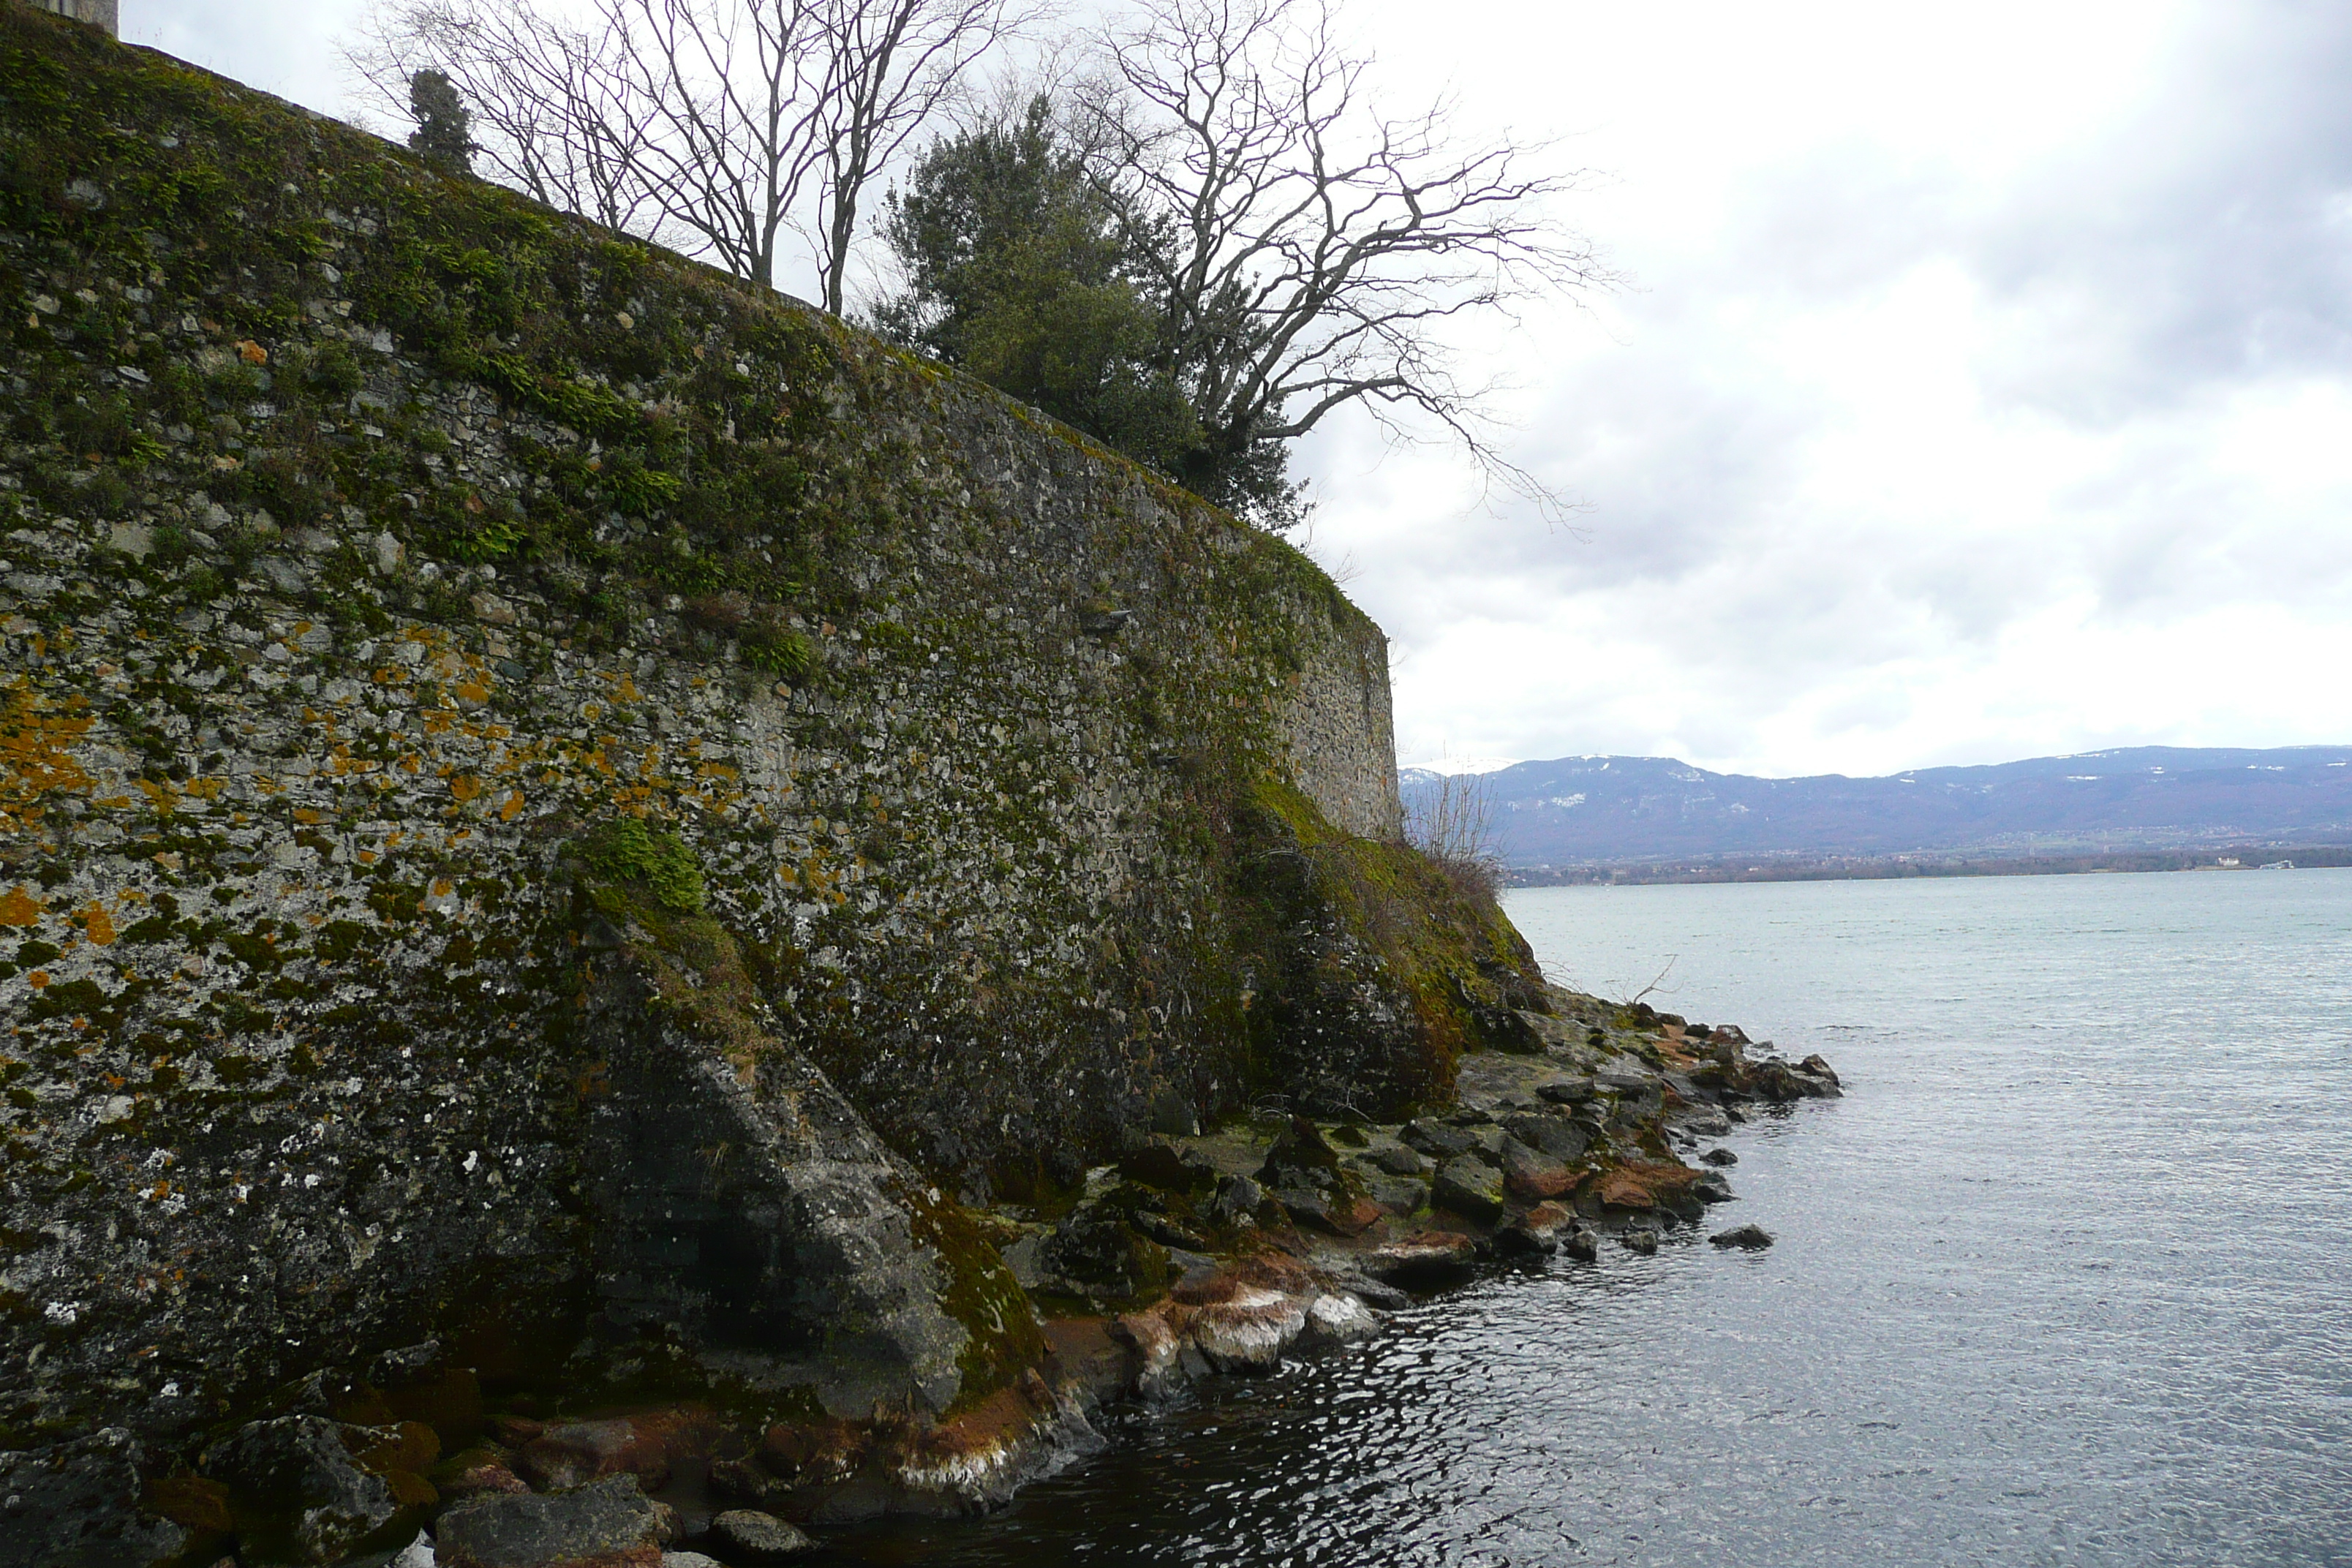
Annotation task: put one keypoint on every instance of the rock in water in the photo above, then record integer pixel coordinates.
(77, 1506)
(1720, 1157)
(1583, 1244)
(608, 1524)
(1753, 1237)
(758, 1540)
(1643, 1241)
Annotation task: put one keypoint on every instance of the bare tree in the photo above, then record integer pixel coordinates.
(1452, 823)
(1322, 244)
(720, 126)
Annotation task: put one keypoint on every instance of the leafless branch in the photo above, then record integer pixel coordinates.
(1324, 244)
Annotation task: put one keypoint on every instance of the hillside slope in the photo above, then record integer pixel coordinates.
(1577, 811)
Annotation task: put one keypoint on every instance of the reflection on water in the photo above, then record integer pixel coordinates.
(2063, 1280)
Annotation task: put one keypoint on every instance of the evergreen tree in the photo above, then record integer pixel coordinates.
(1023, 271)
(443, 132)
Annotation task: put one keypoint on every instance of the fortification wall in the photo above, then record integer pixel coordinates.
(374, 543)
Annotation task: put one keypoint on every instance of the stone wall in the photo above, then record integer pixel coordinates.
(102, 14)
(502, 730)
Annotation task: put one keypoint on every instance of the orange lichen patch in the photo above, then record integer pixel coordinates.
(509, 809)
(19, 908)
(251, 351)
(38, 978)
(35, 758)
(306, 814)
(472, 691)
(464, 786)
(98, 924)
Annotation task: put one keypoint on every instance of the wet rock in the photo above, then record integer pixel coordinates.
(298, 1494)
(1420, 1262)
(1531, 1176)
(1437, 1140)
(1720, 1157)
(1159, 1351)
(1247, 1332)
(1470, 1188)
(1582, 1243)
(1334, 1318)
(609, 1523)
(577, 1452)
(1641, 1239)
(1711, 1188)
(1537, 1231)
(1713, 1125)
(1750, 1238)
(77, 1506)
(1817, 1068)
(757, 1540)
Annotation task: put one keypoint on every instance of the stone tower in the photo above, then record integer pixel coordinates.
(96, 12)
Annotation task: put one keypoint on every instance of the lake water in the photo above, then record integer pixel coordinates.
(2066, 1279)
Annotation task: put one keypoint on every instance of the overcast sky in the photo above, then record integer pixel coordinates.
(1984, 390)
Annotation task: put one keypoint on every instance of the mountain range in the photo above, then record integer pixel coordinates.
(1592, 811)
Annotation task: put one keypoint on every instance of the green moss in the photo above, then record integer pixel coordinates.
(982, 1295)
(625, 849)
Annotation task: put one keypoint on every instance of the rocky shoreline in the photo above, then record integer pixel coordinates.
(1193, 1256)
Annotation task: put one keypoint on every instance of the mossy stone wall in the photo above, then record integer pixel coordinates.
(372, 540)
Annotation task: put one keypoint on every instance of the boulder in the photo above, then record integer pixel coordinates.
(1428, 1258)
(1399, 1195)
(1561, 1137)
(1565, 1091)
(1818, 1069)
(77, 1506)
(1720, 1157)
(1531, 1176)
(298, 1494)
(417, 1553)
(1400, 1161)
(1301, 1157)
(1711, 1188)
(1750, 1238)
(1437, 1140)
(1470, 1188)
(1337, 1319)
(609, 1523)
(1641, 1239)
(1582, 1243)
(1248, 1330)
(757, 1540)
(1237, 1200)
(1713, 1124)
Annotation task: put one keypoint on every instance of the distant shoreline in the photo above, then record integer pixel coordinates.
(2238, 857)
